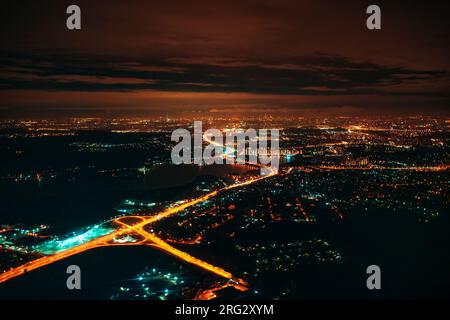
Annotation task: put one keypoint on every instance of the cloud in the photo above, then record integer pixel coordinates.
(318, 74)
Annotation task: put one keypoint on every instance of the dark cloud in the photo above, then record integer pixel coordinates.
(318, 74)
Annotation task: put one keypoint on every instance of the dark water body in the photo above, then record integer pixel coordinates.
(91, 199)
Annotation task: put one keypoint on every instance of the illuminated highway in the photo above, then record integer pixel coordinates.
(148, 238)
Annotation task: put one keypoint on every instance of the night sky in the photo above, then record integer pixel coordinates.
(309, 57)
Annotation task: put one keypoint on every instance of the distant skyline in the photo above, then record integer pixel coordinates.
(305, 57)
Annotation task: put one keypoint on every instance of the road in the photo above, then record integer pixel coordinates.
(148, 238)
